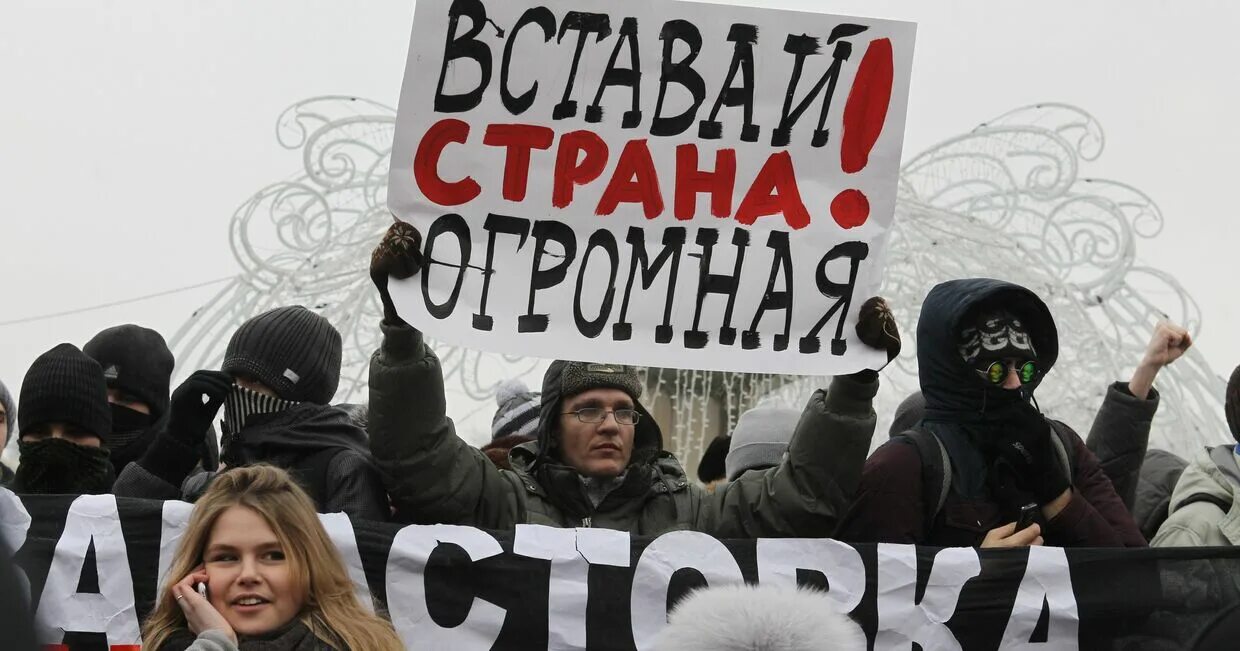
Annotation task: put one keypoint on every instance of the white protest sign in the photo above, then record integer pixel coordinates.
(657, 183)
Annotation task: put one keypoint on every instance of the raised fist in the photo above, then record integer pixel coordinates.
(398, 255)
(876, 327)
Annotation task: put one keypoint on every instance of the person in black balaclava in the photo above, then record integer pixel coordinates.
(138, 368)
(64, 417)
(983, 347)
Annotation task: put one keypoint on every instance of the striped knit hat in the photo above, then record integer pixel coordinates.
(292, 350)
(63, 385)
(517, 414)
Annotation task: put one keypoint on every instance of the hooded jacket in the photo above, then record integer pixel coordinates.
(1198, 523)
(319, 444)
(435, 477)
(962, 410)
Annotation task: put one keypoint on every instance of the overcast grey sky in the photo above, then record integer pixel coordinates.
(132, 130)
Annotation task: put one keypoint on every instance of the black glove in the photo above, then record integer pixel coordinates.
(1026, 454)
(399, 255)
(194, 405)
(876, 327)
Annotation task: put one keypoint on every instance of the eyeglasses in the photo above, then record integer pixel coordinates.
(595, 415)
(997, 372)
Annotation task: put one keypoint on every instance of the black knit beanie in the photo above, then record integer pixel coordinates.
(292, 350)
(137, 361)
(63, 385)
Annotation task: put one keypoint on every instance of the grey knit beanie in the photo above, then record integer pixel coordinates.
(10, 410)
(760, 438)
(908, 414)
(517, 412)
(292, 350)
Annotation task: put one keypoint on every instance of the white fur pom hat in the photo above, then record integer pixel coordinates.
(759, 618)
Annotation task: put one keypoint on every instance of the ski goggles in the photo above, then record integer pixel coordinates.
(996, 372)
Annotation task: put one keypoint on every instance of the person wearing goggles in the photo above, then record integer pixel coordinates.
(983, 466)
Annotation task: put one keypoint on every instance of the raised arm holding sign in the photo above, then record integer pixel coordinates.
(598, 460)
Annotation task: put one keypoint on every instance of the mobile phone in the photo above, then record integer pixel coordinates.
(1026, 515)
(202, 589)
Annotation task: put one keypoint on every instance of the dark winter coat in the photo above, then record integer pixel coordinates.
(318, 444)
(1159, 473)
(434, 476)
(1120, 436)
(960, 406)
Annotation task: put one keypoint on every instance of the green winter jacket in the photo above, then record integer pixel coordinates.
(1214, 472)
(433, 476)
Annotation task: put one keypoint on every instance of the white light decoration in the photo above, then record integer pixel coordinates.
(1007, 200)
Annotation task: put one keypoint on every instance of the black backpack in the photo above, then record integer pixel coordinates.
(936, 464)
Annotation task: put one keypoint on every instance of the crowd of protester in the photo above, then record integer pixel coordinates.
(971, 460)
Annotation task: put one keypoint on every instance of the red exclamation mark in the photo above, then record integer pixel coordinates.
(864, 114)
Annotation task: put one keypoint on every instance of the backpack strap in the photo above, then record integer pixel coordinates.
(936, 471)
(1065, 448)
(1224, 505)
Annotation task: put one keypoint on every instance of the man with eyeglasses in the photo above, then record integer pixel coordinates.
(599, 460)
(984, 466)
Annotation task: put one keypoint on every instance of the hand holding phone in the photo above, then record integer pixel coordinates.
(1027, 513)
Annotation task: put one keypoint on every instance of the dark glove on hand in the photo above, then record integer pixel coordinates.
(876, 327)
(1026, 451)
(399, 255)
(194, 404)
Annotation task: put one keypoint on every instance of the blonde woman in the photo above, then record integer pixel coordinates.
(271, 577)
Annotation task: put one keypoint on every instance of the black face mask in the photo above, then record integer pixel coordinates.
(127, 425)
(58, 466)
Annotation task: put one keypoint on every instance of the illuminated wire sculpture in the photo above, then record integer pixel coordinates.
(1007, 200)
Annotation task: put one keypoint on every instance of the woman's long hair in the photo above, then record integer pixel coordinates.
(331, 610)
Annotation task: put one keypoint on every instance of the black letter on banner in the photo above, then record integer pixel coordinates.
(681, 72)
(614, 76)
(856, 252)
(744, 36)
(494, 225)
(771, 299)
(803, 46)
(544, 278)
(542, 17)
(585, 24)
(467, 47)
(673, 244)
(454, 224)
(605, 240)
(709, 283)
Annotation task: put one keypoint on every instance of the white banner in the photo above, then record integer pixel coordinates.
(656, 183)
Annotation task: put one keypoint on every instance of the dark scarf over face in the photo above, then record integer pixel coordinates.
(964, 410)
(132, 432)
(241, 404)
(241, 407)
(62, 467)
